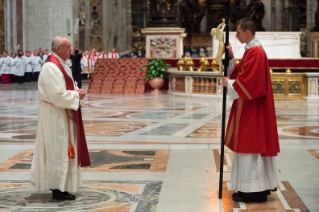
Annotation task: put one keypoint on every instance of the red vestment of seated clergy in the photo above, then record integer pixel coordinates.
(252, 127)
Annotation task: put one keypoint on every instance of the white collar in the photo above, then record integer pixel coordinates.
(59, 58)
(252, 43)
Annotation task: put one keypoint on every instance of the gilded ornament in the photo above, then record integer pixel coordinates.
(214, 66)
(219, 32)
(180, 64)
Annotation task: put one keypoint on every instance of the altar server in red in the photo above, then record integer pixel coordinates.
(252, 130)
(60, 146)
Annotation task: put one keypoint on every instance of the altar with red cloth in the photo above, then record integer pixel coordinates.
(123, 76)
(118, 76)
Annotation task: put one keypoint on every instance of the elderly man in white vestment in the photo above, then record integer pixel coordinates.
(55, 166)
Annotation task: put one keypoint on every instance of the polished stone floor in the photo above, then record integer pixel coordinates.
(155, 153)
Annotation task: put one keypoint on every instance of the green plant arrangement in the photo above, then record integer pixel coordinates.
(156, 68)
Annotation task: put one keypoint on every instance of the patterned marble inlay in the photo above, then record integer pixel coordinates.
(314, 152)
(196, 116)
(228, 158)
(103, 161)
(111, 128)
(168, 129)
(285, 199)
(95, 196)
(297, 118)
(298, 131)
(17, 124)
(208, 130)
(149, 105)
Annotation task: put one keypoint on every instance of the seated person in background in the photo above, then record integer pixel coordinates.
(127, 55)
(132, 55)
(140, 55)
(121, 55)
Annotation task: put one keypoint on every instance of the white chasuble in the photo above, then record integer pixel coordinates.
(51, 166)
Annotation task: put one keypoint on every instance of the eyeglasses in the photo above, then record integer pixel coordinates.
(68, 47)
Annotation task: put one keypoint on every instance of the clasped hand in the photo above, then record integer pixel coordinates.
(81, 93)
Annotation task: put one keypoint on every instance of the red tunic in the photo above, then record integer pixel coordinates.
(252, 126)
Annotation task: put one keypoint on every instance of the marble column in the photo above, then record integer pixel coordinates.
(266, 22)
(87, 25)
(14, 25)
(117, 25)
(310, 14)
(128, 25)
(76, 37)
(2, 26)
(19, 18)
(278, 15)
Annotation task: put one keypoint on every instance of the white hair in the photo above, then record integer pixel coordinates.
(57, 41)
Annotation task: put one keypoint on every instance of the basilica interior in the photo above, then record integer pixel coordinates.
(159, 149)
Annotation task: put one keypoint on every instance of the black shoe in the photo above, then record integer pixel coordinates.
(68, 195)
(236, 194)
(246, 199)
(251, 196)
(58, 195)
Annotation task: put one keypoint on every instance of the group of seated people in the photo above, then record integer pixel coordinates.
(26, 66)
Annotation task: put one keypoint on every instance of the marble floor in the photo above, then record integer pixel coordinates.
(155, 153)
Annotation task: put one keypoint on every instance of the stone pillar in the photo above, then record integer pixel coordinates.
(2, 26)
(314, 44)
(310, 14)
(266, 22)
(128, 26)
(75, 16)
(117, 26)
(278, 22)
(87, 45)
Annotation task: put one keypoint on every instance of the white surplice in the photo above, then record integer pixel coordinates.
(13, 65)
(6, 65)
(51, 166)
(20, 67)
(251, 172)
(36, 63)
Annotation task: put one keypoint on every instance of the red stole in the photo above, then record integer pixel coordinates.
(82, 150)
(113, 55)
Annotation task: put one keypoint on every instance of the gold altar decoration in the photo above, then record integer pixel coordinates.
(190, 64)
(180, 64)
(203, 64)
(214, 66)
(219, 32)
(289, 86)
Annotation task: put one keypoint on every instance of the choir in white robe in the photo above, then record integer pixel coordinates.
(44, 58)
(113, 55)
(6, 65)
(13, 65)
(251, 172)
(36, 63)
(20, 67)
(69, 63)
(84, 64)
(103, 56)
(28, 63)
(1, 61)
(51, 166)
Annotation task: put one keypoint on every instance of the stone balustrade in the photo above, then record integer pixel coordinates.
(286, 86)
